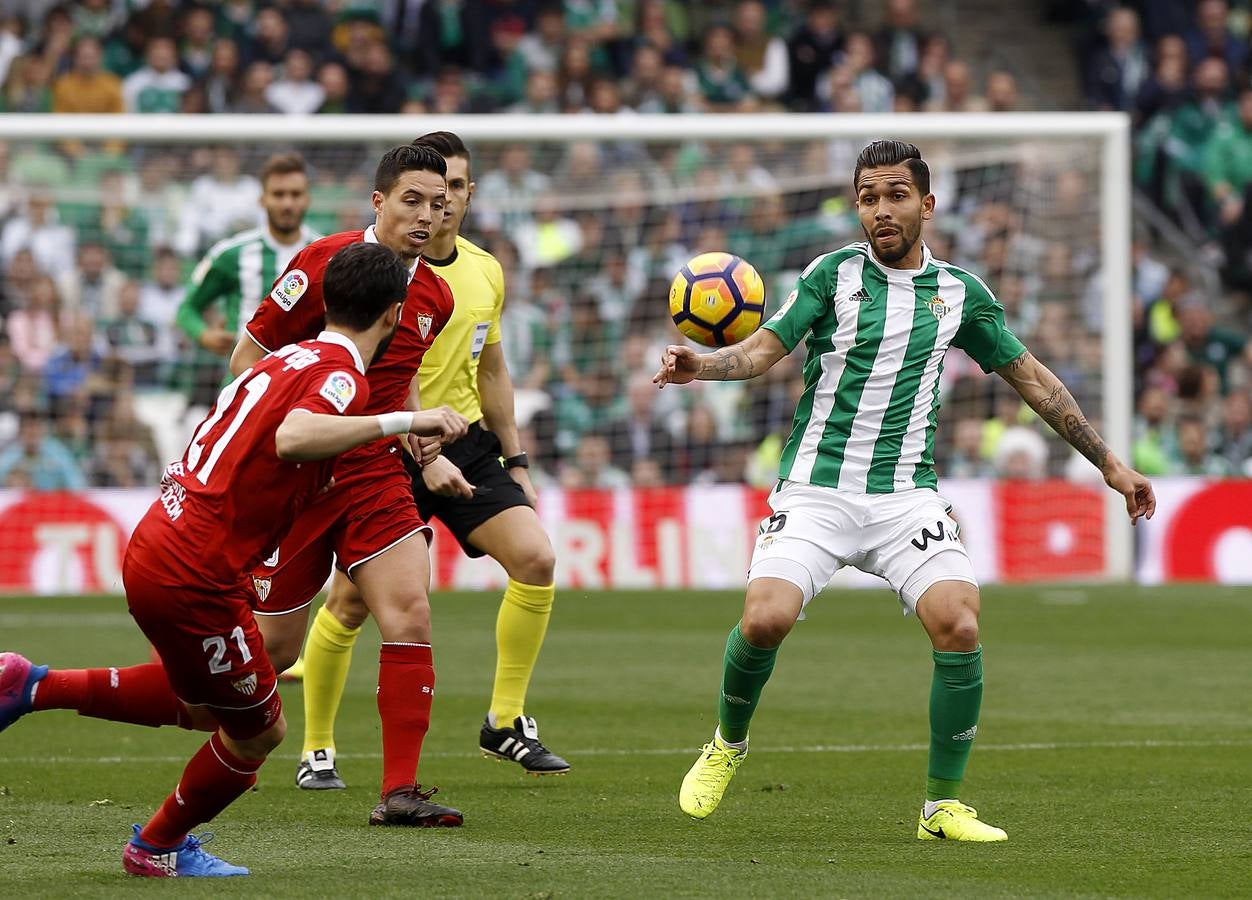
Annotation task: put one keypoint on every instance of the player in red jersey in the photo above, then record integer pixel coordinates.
(366, 521)
(266, 446)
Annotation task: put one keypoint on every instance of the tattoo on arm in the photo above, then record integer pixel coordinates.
(1018, 361)
(727, 364)
(1060, 410)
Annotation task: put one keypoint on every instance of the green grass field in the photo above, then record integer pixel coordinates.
(1115, 748)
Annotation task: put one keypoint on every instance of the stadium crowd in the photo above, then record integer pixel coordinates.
(97, 242)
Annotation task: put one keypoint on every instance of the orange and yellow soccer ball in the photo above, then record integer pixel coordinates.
(717, 299)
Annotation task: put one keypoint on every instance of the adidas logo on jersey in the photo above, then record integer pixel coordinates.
(861, 296)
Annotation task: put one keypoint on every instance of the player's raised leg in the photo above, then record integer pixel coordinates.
(769, 612)
(948, 610)
(394, 585)
(516, 539)
(137, 695)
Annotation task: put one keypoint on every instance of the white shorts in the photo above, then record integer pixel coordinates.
(909, 538)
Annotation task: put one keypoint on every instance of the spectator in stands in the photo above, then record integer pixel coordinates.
(958, 90)
(333, 79)
(451, 33)
(549, 238)
(377, 86)
(28, 85)
(124, 451)
(698, 445)
(762, 56)
(874, 91)
(195, 46)
(309, 26)
(1002, 95)
(677, 93)
(88, 87)
(38, 460)
(1021, 454)
(76, 361)
(11, 42)
(900, 41)
(723, 85)
(253, 96)
(592, 466)
(270, 37)
(1234, 439)
(812, 51)
(93, 286)
(574, 75)
(159, 86)
(1166, 88)
(220, 201)
(161, 295)
(1213, 37)
(135, 338)
(39, 229)
(589, 398)
(1208, 343)
(1120, 69)
(966, 459)
(543, 46)
(222, 80)
(639, 433)
(33, 325)
(296, 93)
(1196, 455)
(1226, 161)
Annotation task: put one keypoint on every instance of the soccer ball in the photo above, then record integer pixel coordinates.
(717, 299)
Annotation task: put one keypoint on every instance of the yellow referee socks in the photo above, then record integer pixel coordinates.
(327, 656)
(520, 627)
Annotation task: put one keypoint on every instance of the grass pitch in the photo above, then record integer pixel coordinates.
(1115, 748)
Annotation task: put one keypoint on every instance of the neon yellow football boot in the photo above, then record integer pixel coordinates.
(954, 821)
(706, 782)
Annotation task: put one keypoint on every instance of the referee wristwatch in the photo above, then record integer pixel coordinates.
(518, 461)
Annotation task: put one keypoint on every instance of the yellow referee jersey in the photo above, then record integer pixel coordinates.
(449, 371)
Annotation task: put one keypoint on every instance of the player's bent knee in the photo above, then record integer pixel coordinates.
(770, 611)
(349, 611)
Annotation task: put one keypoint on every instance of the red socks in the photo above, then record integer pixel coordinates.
(213, 780)
(140, 695)
(406, 687)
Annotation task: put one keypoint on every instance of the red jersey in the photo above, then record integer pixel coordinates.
(295, 310)
(228, 502)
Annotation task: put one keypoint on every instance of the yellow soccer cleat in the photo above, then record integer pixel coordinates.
(954, 821)
(295, 673)
(707, 780)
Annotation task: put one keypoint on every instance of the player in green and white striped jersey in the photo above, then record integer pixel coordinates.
(239, 271)
(857, 483)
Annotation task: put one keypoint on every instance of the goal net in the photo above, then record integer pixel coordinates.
(106, 218)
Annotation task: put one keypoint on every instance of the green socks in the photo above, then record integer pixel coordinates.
(955, 698)
(745, 670)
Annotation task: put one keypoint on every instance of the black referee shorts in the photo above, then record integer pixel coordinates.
(477, 455)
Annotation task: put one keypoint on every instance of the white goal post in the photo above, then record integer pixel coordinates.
(1110, 132)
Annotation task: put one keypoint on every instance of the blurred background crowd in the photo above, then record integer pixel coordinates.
(98, 241)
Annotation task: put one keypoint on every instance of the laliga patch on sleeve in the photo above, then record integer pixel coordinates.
(290, 288)
(339, 389)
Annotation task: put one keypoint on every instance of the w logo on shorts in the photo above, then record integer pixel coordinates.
(922, 542)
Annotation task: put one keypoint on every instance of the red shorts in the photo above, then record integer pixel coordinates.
(209, 645)
(368, 511)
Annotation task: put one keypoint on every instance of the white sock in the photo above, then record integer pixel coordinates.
(929, 807)
(491, 719)
(734, 745)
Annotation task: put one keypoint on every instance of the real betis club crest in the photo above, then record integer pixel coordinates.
(937, 306)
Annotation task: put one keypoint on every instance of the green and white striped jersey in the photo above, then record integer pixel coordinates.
(876, 341)
(237, 272)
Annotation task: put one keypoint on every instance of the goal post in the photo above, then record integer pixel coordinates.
(1042, 198)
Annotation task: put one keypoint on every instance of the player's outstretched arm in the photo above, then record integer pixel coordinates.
(1047, 396)
(305, 436)
(749, 358)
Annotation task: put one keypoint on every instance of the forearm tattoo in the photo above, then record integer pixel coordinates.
(1060, 410)
(727, 364)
